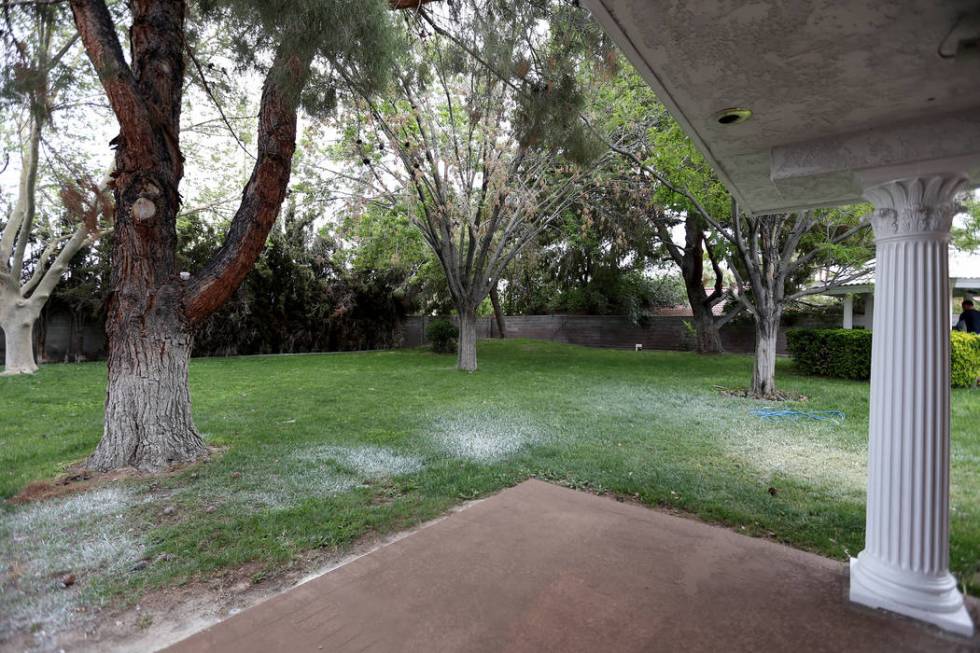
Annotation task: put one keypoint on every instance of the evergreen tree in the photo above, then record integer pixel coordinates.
(153, 312)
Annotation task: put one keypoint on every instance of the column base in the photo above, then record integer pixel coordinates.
(936, 601)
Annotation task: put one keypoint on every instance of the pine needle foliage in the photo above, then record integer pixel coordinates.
(357, 35)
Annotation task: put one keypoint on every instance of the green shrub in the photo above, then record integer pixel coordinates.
(840, 353)
(442, 334)
(966, 359)
(846, 354)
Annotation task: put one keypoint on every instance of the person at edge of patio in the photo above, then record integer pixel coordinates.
(969, 319)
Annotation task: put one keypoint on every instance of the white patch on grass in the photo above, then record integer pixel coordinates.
(314, 472)
(797, 450)
(823, 453)
(369, 462)
(84, 535)
(484, 437)
(292, 487)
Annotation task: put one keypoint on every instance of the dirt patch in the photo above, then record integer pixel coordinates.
(79, 479)
(76, 479)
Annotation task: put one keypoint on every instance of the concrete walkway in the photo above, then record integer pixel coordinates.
(542, 568)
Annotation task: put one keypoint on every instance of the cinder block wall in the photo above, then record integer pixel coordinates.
(662, 332)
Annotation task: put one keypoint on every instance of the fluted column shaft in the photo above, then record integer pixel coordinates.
(905, 563)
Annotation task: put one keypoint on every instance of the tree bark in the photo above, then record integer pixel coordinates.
(764, 370)
(707, 336)
(148, 422)
(18, 332)
(690, 260)
(466, 350)
(498, 313)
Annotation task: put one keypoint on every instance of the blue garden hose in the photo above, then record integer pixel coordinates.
(795, 415)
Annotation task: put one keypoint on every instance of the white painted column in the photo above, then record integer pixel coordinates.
(952, 307)
(848, 311)
(905, 563)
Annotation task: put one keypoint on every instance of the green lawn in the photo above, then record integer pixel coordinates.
(321, 450)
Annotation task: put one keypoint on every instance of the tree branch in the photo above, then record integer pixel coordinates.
(265, 191)
(214, 100)
(98, 35)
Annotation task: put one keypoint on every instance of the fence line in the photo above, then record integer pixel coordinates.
(61, 337)
(609, 331)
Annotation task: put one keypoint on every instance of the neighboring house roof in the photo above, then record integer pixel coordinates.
(684, 310)
(964, 274)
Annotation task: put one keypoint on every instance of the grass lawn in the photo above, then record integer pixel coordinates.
(321, 450)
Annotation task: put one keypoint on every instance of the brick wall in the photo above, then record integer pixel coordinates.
(63, 340)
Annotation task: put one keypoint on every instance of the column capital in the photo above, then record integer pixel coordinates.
(915, 206)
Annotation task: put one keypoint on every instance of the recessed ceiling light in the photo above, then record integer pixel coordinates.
(733, 116)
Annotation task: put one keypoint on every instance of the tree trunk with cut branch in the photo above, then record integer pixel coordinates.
(153, 313)
(148, 422)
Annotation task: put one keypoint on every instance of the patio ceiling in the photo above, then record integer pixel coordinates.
(840, 92)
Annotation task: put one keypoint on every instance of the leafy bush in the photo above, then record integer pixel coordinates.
(442, 334)
(966, 359)
(841, 353)
(846, 354)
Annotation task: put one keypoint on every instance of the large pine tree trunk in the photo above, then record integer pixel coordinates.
(764, 371)
(466, 353)
(148, 413)
(148, 421)
(18, 332)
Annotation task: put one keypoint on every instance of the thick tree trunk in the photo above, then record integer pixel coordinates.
(18, 332)
(707, 336)
(148, 421)
(498, 313)
(690, 260)
(148, 414)
(764, 371)
(466, 351)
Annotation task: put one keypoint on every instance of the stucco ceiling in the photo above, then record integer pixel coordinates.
(841, 91)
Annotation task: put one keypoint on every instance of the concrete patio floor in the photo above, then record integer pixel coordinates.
(543, 568)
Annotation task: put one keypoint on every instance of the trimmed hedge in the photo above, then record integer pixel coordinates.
(966, 359)
(846, 354)
(840, 353)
